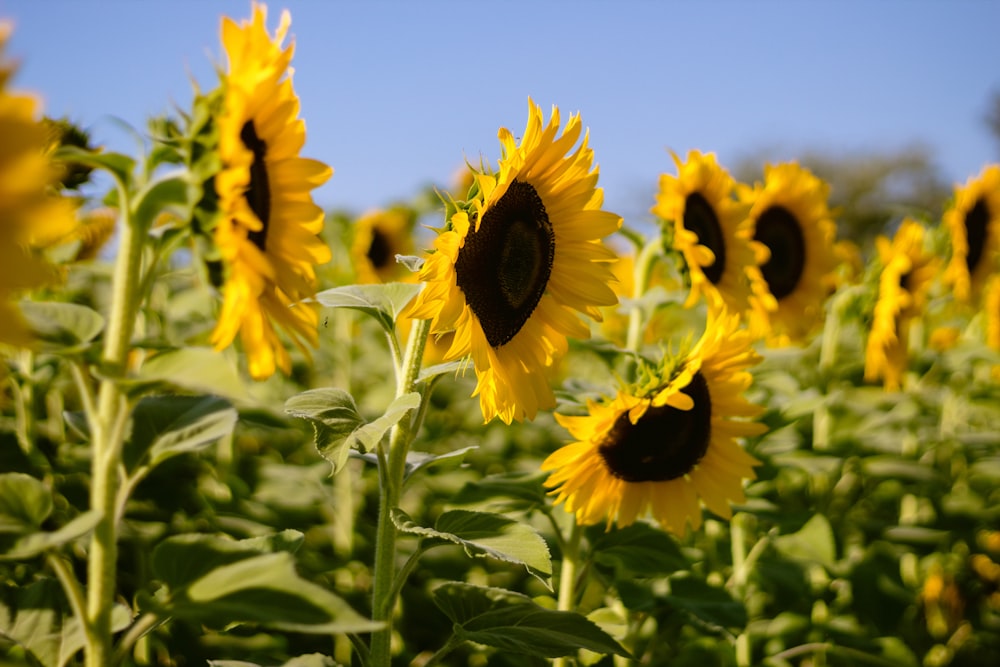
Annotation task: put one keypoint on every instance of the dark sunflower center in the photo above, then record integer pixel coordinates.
(779, 230)
(258, 193)
(380, 251)
(504, 267)
(975, 230)
(665, 444)
(700, 218)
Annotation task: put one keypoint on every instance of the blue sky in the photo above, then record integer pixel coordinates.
(397, 94)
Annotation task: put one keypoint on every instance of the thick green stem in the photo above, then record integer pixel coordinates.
(107, 432)
(827, 358)
(391, 483)
(567, 576)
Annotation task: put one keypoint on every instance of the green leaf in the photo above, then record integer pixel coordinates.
(518, 491)
(813, 542)
(638, 550)
(180, 560)
(486, 535)
(216, 581)
(338, 425)
(383, 302)
(334, 417)
(311, 660)
(73, 638)
(368, 436)
(68, 327)
(118, 165)
(25, 503)
(170, 190)
(199, 369)
(37, 619)
(266, 589)
(165, 426)
(34, 544)
(893, 467)
(420, 461)
(513, 622)
(708, 603)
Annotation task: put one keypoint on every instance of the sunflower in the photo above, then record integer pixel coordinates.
(907, 273)
(795, 237)
(514, 264)
(378, 237)
(973, 221)
(710, 229)
(268, 233)
(32, 215)
(667, 444)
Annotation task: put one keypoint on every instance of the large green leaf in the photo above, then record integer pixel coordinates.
(339, 426)
(310, 660)
(638, 550)
(67, 327)
(517, 491)
(710, 604)
(486, 535)
(160, 194)
(383, 302)
(266, 589)
(34, 544)
(334, 416)
(25, 503)
(216, 581)
(165, 426)
(199, 369)
(813, 542)
(513, 622)
(118, 165)
(36, 617)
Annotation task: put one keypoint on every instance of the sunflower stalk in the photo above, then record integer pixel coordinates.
(384, 589)
(108, 428)
(643, 269)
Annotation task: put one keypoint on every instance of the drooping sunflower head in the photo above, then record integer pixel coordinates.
(907, 273)
(378, 237)
(795, 236)
(32, 214)
(973, 222)
(710, 230)
(269, 226)
(668, 444)
(517, 263)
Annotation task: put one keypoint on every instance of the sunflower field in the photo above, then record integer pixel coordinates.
(492, 424)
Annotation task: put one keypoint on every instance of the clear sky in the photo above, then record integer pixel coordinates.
(398, 94)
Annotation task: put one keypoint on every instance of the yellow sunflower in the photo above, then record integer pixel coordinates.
(973, 221)
(32, 215)
(667, 444)
(509, 271)
(795, 236)
(268, 234)
(378, 237)
(710, 229)
(908, 271)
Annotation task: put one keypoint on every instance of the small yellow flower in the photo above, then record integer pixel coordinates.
(378, 237)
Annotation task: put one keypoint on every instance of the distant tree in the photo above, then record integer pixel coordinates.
(869, 190)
